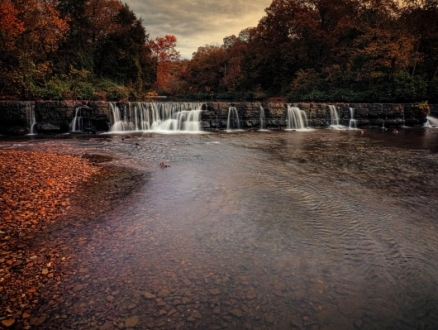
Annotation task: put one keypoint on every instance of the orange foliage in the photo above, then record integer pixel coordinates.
(164, 51)
(35, 186)
(10, 25)
(43, 25)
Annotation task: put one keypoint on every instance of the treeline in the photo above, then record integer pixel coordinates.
(308, 50)
(322, 50)
(73, 49)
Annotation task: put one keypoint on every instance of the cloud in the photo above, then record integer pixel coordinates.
(197, 23)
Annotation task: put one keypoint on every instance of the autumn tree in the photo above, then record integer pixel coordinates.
(10, 26)
(207, 68)
(30, 34)
(164, 51)
(236, 48)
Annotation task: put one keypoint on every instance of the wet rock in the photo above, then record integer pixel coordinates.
(214, 291)
(196, 314)
(78, 287)
(358, 324)
(163, 293)
(149, 296)
(108, 325)
(251, 295)
(269, 319)
(132, 321)
(236, 312)
(171, 312)
(36, 321)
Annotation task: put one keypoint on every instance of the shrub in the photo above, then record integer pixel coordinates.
(84, 91)
(408, 89)
(117, 93)
(54, 90)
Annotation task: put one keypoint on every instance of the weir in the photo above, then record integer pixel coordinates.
(334, 118)
(77, 122)
(262, 119)
(296, 118)
(51, 117)
(30, 118)
(431, 122)
(233, 122)
(353, 122)
(155, 117)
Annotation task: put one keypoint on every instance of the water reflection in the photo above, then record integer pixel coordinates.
(323, 230)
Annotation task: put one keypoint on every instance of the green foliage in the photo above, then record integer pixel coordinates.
(117, 93)
(423, 107)
(55, 89)
(408, 88)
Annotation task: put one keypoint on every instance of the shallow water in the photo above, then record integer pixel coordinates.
(271, 230)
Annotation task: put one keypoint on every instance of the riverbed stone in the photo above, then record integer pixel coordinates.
(132, 321)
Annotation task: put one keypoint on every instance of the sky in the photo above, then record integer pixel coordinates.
(197, 23)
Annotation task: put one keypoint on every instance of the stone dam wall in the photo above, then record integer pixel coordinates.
(57, 116)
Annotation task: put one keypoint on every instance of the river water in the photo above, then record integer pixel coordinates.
(264, 230)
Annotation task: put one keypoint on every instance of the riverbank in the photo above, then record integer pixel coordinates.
(42, 193)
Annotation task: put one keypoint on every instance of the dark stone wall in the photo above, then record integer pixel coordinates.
(434, 110)
(53, 116)
(56, 116)
(318, 114)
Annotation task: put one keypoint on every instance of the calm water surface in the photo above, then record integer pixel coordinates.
(274, 230)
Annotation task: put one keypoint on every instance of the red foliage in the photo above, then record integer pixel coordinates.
(164, 51)
(10, 25)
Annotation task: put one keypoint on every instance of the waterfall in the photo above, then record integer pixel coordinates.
(233, 121)
(296, 118)
(262, 119)
(30, 118)
(156, 117)
(77, 123)
(431, 122)
(334, 118)
(353, 122)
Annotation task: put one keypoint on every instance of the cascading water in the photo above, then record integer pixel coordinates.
(77, 123)
(296, 118)
(233, 122)
(334, 118)
(353, 122)
(431, 122)
(30, 118)
(156, 117)
(262, 119)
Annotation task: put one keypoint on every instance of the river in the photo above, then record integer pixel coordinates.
(315, 230)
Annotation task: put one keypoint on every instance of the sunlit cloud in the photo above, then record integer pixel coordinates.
(197, 23)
